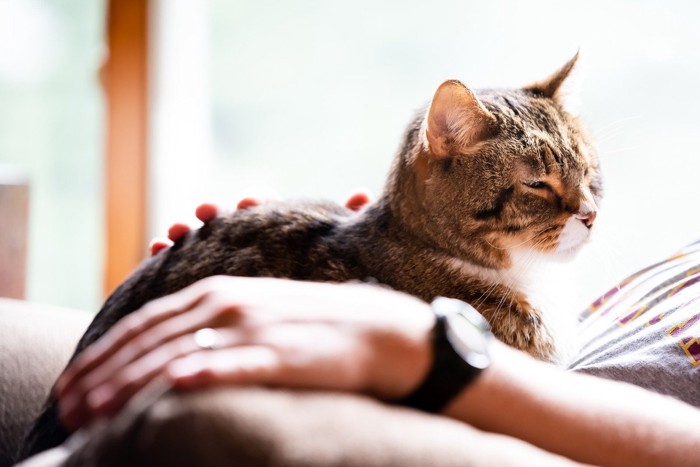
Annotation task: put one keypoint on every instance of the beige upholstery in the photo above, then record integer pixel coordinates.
(36, 342)
(229, 426)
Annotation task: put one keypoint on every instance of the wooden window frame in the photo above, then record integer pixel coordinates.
(125, 78)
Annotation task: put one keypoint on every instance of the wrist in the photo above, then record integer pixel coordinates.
(460, 339)
(488, 402)
(401, 357)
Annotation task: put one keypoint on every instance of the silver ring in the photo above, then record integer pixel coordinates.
(208, 339)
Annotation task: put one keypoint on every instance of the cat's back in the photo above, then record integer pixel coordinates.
(295, 240)
(278, 239)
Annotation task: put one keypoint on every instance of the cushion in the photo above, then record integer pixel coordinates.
(36, 342)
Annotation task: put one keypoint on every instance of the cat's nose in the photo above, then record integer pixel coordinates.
(587, 217)
(587, 208)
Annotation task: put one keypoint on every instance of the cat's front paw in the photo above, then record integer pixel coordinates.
(524, 329)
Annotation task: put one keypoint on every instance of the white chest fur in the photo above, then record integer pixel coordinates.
(549, 289)
(545, 287)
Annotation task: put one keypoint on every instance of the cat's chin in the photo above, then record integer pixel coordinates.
(563, 255)
(573, 237)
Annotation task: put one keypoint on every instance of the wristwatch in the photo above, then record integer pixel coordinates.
(460, 347)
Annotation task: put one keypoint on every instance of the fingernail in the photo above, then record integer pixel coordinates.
(157, 247)
(246, 203)
(206, 212)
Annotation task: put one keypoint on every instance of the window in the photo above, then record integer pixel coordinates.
(51, 130)
(311, 98)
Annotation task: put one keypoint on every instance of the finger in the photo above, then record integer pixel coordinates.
(201, 316)
(239, 365)
(206, 212)
(109, 397)
(299, 366)
(126, 330)
(359, 199)
(100, 365)
(159, 244)
(177, 231)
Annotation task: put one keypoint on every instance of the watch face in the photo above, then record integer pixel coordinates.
(467, 331)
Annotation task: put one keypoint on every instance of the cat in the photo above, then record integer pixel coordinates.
(481, 179)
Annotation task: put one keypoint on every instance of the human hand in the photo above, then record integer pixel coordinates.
(276, 332)
(207, 211)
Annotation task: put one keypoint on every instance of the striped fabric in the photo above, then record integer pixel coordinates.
(646, 330)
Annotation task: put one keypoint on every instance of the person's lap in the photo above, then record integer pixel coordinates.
(646, 329)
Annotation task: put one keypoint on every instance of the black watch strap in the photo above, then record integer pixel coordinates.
(448, 375)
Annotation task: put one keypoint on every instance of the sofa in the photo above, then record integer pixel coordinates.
(226, 426)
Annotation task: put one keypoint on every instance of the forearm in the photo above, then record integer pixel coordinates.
(584, 418)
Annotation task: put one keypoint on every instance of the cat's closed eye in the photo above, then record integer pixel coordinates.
(537, 184)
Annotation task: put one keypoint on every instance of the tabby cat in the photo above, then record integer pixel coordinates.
(482, 178)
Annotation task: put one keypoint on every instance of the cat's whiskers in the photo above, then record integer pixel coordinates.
(520, 269)
(612, 127)
(499, 308)
(619, 150)
(525, 263)
(533, 237)
(607, 252)
(507, 310)
(609, 133)
(510, 306)
(485, 296)
(530, 257)
(610, 136)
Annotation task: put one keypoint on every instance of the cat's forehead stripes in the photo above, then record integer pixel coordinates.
(541, 130)
(513, 107)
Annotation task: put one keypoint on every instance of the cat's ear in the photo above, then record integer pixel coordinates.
(552, 87)
(456, 120)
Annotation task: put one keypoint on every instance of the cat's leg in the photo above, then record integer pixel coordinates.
(519, 325)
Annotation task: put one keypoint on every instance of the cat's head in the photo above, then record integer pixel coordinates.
(511, 168)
